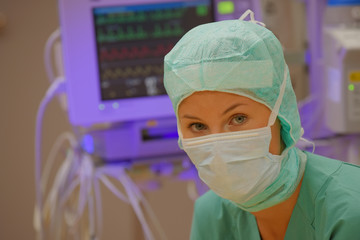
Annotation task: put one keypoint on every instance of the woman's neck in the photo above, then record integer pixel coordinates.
(272, 222)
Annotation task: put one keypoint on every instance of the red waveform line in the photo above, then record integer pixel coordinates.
(135, 52)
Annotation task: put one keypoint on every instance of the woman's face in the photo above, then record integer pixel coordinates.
(210, 112)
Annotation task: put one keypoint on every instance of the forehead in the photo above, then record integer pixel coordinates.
(206, 98)
(215, 103)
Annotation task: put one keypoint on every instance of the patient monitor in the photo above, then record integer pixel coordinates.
(113, 55)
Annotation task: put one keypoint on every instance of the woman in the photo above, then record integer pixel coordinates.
(238, 122)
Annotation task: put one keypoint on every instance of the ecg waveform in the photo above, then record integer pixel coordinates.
(141, 52)
(132, 72)
(138, 33)
(138, 17)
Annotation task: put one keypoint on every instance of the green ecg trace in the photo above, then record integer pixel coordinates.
(167, 31)
(137, 17)
(120, 35)
(139, 33)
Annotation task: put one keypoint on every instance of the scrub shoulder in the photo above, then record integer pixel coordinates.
(216, 218)
(335, 187)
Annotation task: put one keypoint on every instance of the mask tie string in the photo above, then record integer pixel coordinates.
(275, 110)
(252, 17)
(307, 141)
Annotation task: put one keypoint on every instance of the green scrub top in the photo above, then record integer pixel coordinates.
(328, 207)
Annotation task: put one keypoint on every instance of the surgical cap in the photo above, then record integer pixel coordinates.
(234, 56)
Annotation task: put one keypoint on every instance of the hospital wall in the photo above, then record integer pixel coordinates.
(23, 84)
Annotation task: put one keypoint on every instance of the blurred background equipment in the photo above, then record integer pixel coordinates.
(341, 46)
(330, 114)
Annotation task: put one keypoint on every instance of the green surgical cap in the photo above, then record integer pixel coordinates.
(234, 56)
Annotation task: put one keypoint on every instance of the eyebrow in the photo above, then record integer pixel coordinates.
(226, 111)
(232, 107)
(191, 117)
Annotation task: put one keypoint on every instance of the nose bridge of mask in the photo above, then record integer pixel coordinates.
(217, 165)
(276, 108)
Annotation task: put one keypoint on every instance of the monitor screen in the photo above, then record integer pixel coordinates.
(132, 41)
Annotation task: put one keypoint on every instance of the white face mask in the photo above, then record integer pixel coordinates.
(237, 165)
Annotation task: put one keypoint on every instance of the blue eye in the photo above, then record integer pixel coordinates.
(238, 119)
(197, 126)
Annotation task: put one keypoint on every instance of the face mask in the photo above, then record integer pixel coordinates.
(239, 167)
(235, 165)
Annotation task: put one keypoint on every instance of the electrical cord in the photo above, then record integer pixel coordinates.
(78, 171)
(135, 198)
(135, 204)
(47, 54)
(98, 205)
(57, 86)
(53, 153)
(148, 209)
(112, 188)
